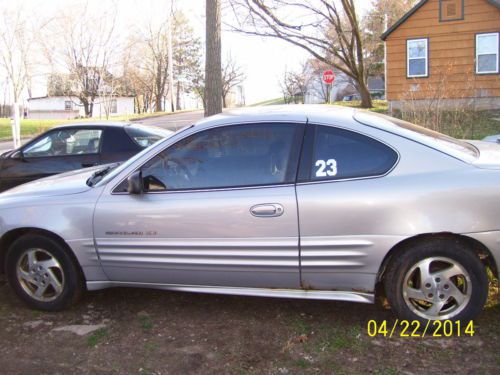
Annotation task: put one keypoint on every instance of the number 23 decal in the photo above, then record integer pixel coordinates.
(322, 171)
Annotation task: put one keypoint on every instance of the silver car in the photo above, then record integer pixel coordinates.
(311, 202)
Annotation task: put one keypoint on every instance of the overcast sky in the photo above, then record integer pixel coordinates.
(263, 59)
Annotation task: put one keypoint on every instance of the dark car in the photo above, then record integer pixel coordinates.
(69, 147)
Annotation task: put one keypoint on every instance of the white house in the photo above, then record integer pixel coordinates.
(69, 107)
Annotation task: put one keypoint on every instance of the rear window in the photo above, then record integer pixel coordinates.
(419, 133)
(145, 136)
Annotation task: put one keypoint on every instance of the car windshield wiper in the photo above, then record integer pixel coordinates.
(98, 175)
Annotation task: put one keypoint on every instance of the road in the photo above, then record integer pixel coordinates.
(173, 122)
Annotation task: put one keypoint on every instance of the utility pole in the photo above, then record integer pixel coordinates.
(213, 66)
(170, 57)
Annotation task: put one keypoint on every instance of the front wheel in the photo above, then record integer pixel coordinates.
(436, 280)
(42, 273)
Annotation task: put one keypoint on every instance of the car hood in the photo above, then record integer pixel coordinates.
(73, 182)
(489, 155)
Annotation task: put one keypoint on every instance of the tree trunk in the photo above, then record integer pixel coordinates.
(158, 103)
(224, 105)
(213, 66)
(366, 98)
(86, 107)
(178, 97)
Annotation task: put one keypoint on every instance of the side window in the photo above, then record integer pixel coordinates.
(231, 156)
(340, 154)
(66, 142)
(116, 140)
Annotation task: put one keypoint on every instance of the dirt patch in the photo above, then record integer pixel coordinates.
(137, 331)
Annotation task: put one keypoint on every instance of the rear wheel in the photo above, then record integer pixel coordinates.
(42, 273)
(436, 280)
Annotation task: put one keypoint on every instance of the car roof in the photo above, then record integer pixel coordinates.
(276, 113)
(83, 124)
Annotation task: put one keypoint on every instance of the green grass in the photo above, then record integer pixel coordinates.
(379, 106)
(146, 322)
(276, 101)
(97, 337)
(333, 338)
(32, 127)
(302, 363)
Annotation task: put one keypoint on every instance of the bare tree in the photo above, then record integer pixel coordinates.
(330, 31)
(86, 47)
(295, 85)
(213, 73)
(232, 75)
(287, 88)
(15, 59)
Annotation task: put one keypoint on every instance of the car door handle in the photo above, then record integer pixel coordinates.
(86, 165)
(267, 210)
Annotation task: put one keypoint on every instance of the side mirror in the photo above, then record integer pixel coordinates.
(18, 155)
(135, 183)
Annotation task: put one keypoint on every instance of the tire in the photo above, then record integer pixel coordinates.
(42, 273)
(415, 295)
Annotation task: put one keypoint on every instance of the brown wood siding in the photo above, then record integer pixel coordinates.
(451, 54)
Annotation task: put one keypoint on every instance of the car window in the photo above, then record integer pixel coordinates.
(116, 140)
(146, 136)
(66, 142)
(340, 154)
(232, 156)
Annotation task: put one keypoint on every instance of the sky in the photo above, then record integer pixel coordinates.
(264, 60)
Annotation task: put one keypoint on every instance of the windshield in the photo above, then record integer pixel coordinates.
(416, 132)
(112, 173)
(145, 136)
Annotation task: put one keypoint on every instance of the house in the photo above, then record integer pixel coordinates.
(69, 107)
(446, 52)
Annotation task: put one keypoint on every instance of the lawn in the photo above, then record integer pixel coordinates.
(31, 127)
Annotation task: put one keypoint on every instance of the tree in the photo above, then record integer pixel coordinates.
(85, 47)
(186, 55)
(213, 71)
(232, 75)
(15, 59)
(330, 31)
(382, 15)
(295, 84)
(148, 61)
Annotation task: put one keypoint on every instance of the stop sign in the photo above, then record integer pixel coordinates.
(328, 76)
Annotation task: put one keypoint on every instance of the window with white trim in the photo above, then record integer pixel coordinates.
(487, 53)
(417, 53)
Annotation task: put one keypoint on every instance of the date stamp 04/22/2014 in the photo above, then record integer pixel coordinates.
(414, 328)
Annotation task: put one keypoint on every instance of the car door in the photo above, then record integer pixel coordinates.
(219, 209)
(341, 190)
(59, 150)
